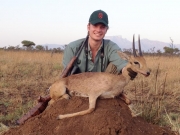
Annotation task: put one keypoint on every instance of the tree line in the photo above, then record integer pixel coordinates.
(30, 45)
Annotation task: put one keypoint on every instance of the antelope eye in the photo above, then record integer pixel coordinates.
(136, 62)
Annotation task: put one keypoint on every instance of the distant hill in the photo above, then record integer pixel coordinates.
(123, 43)
(146, 44)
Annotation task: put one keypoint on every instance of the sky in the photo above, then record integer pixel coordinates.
(63, 21)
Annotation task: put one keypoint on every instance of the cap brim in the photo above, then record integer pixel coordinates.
(99, 21)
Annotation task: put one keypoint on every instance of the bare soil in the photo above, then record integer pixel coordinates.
(111, 117)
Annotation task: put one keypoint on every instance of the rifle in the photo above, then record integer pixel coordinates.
(70, 67)
(43, 101)
(39, 108)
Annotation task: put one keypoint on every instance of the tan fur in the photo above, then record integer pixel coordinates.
(95, 84)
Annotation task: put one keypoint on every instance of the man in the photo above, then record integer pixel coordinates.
(97, 28)
(98, 55)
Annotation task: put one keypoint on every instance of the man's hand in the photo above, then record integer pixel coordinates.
(111, 68)
(131, 73)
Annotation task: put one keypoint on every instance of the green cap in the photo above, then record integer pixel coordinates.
(99, 16)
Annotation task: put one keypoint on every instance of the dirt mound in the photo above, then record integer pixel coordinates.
(111, 117)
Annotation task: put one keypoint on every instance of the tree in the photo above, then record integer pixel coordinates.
(176, 50)
(39, 47)
(11, 48)
(27, 43)
(171, 45)
(170, 50)
(159, 51)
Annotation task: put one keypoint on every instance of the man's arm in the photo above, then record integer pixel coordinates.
(114, 58)
(68, 55)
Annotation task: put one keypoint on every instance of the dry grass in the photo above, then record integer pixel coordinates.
(23, 77)
(157, 97)
(3, 128)
(26, 75)
(28, 67)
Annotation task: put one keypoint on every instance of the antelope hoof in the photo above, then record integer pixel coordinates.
(66, 96)
(125, 99)
(59, 117)
(128, 101)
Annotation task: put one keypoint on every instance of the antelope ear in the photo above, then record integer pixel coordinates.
(123, 55)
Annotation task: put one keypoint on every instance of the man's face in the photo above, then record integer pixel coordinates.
(97, 31)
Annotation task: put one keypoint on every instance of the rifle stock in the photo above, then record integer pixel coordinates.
(39, 108)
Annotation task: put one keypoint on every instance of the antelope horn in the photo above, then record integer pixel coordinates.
(140, 52)
(133, 46)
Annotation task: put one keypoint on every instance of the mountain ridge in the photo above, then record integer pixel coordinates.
(123, 43)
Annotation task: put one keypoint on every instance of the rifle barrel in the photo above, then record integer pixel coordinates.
(73, 60)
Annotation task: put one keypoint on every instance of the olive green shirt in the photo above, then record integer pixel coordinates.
(110, 55)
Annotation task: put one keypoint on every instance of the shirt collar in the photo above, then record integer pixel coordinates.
(89, 49)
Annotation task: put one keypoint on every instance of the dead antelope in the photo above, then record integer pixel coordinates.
(98, 84)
